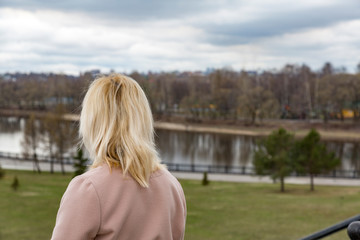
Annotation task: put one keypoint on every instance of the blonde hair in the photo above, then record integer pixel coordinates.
(116, 127)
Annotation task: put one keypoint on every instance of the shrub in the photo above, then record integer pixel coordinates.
(205, 180)
(15, 184)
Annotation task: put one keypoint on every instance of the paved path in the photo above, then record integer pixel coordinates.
(22, 165)
(288, 180)
(27, 165)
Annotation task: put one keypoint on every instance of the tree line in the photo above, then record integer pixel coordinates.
(295, 91)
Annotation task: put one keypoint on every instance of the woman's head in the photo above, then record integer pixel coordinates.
(116, 126)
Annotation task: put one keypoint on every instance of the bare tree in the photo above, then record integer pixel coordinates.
(65, 135)
(48, 136)
(225, 91)
(327, 69)
(31, 140)
(354, 90)
(325, 100)
(196, 100)
(334, 94)
(258, 102)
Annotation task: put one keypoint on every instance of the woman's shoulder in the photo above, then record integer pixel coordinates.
(96, 171)
(89, 174)
(164, 175)
(104, 177)
(93, 176)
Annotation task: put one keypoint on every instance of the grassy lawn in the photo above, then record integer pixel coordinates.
(218, 211)
(29, 213)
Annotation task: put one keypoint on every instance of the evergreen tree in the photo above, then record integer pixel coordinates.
(80, 163)
(313, 157)
(273, 156)
(15, 184)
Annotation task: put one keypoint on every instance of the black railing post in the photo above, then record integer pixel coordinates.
(353, 230)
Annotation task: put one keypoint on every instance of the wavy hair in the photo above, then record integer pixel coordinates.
(116, 127)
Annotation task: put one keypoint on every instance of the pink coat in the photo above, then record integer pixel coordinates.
(102, 205)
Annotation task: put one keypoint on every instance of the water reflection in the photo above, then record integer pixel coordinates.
(12, 136)
(247, 147)
(232, 150)
(193, 148)
(348, 152)
(222, 149)
(10, 124)
(355, 156)
(205, 148)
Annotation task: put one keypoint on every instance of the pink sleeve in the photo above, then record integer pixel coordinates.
(79, 213)
(184, 209)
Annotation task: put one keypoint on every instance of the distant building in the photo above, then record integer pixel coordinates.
(8, 77)
(209, 71)
(94, 73)
(251, 73)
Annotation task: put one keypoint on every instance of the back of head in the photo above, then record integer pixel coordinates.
(116, 127)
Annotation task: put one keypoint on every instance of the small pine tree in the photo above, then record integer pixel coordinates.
(205, 180)
(273, 156)
(313, 158)
(80, 163)
(15, 184)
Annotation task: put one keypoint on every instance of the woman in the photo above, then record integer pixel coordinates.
(127, 194)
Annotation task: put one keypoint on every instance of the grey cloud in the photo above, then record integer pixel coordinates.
(128, 10)
(279, 23)
(276, 22)
(46, 61)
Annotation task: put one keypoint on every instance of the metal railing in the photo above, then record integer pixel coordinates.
(244, 170)
(200, 168)
(353, 230)
(40, 158)
(196, 168)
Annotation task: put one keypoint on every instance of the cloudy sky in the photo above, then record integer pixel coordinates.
(73, 36)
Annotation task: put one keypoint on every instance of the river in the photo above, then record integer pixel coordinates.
(185, 147)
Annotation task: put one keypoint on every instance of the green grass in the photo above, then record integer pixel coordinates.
(218, 211)
(259, 211)
(29, 212)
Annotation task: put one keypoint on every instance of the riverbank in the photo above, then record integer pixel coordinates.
(333, 130)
